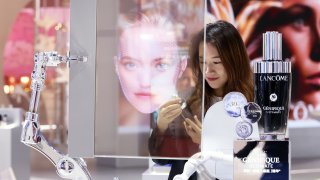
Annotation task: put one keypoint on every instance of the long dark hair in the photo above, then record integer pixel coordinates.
(225, 37)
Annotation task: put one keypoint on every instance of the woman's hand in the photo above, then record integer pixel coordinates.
(193, 129)
(167, 113)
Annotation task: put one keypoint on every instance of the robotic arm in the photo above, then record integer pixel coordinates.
(67, 167)
(197, 161)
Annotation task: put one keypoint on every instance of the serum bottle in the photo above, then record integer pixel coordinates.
(272, 90)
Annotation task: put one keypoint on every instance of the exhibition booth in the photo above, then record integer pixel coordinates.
(158, 89)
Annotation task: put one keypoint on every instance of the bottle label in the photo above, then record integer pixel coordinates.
(272, 94)
(274, 78)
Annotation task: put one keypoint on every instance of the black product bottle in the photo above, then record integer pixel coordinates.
(272, 90)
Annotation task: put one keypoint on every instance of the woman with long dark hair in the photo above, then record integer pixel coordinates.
(218, 58)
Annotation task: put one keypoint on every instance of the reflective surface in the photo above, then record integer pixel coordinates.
(142, 52)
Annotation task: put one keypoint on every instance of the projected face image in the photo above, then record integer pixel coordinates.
(301, 33)
(148, 66)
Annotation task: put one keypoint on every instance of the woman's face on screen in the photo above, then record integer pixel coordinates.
(148, 66)
(301, 34)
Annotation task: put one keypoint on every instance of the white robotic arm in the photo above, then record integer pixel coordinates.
(67, 167)
(197, 161)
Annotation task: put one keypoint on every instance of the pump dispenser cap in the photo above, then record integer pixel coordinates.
(272, 55)
(272, 45)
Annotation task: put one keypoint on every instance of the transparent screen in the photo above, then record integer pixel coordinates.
(143, 55)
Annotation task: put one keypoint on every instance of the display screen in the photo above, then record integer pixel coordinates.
(144, 46)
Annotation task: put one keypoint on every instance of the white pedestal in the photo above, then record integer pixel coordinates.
(259, 159)
(14, 156)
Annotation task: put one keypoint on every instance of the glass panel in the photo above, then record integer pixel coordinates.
(142, 60)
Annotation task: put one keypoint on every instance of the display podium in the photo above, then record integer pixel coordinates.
(260, 160)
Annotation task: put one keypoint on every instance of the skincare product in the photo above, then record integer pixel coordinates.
(272, 88)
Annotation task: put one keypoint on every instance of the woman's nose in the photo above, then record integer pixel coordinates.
(145, 78)
(209, 67)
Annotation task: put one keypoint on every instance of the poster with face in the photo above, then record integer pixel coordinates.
(297, 20)
(146, 44)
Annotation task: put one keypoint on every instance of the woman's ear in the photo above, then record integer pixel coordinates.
(115, 60)
(183, 65)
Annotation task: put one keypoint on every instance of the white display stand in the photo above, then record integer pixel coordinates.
(218, 135)
(14, 156)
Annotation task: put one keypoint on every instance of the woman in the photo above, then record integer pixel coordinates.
(224, 67)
